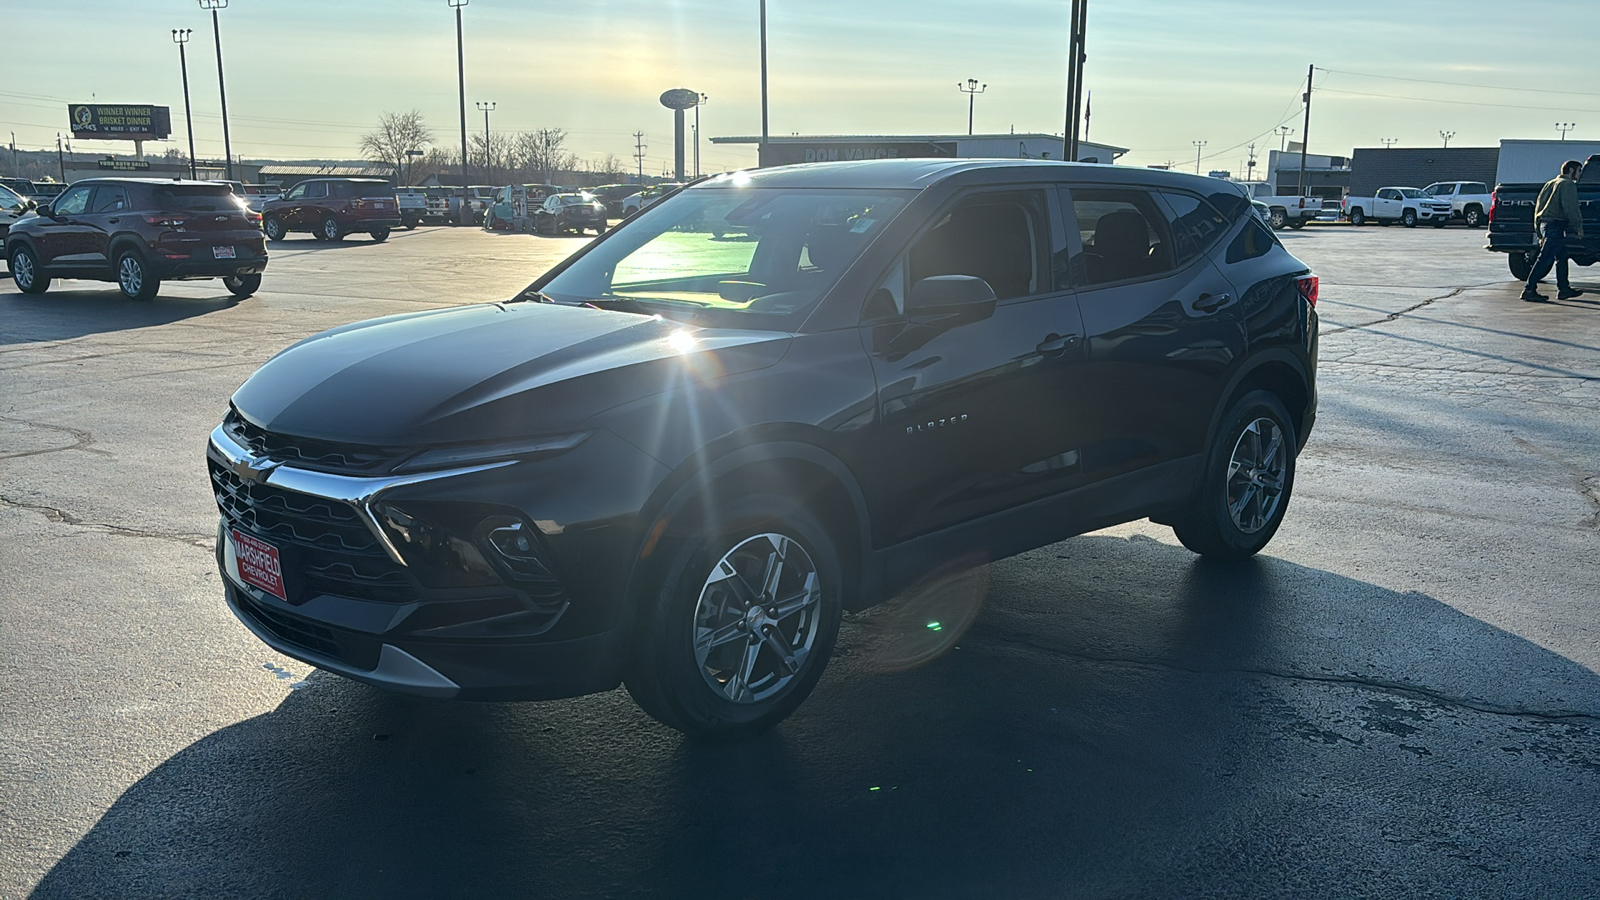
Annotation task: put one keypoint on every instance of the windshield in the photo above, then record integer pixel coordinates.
(573, 199)
(729, 256)
(1434, 190)
(8, 197)
(1411, 193)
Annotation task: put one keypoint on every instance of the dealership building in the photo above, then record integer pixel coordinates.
(791, 149)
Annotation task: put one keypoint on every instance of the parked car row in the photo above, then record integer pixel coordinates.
(37, 191)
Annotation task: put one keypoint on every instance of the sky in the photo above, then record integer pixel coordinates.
(306, 78)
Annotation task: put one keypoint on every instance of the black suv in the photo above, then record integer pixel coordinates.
(138, 232)
(674, 459)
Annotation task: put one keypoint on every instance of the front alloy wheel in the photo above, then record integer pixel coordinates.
(757, 618)
(25, 271)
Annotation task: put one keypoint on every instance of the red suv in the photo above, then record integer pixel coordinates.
(331, 208)
(138, 232)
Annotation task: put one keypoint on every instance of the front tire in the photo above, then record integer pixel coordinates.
(742, 622)
(1247, 482)
(1408, 219)
(330, 230)
(379, 235)
(274, 229)
(26, 272)
(242, 286)
(1521, 265)
(134, 276)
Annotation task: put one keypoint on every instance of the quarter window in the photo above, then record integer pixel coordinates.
(1124, 234)
(1000, 237)
(1196, 225)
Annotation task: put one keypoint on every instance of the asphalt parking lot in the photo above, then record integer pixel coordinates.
(1399, 698)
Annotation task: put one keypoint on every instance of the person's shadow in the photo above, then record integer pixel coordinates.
(1121, 720)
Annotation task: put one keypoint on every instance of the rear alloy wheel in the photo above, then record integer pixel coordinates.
(743, 622)
(331, 230)
(242, 285)
(1248, 479)
(27, 273)
(1279, 219)
(379, 235)
(1409, 218)
(274, 229)
(1521, 265)
(134, 276)
(1358, 218)
(1473, 217)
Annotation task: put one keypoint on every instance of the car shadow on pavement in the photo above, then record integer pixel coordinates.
(65, 313)
(1121, 720)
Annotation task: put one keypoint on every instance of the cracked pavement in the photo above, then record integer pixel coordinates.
(1401, 697)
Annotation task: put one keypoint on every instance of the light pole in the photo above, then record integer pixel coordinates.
(409, 167)
(700, 103)
(1283, 136)
(1447, 135)
(461, 80)
(1388, 142)
(488, 160)
(1198, 146)
(216, 33)
(972, 89)
(763, 151)
(180, 36)
(1565, 127)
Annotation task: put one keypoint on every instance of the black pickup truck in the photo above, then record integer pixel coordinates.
(1511, 228)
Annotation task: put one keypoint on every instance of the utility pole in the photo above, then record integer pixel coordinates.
(461, 81)
(61, 160)
(216, 33)
(1250, 165)
(1198, 146)
(1447, 135)
(972, 89)
(488, 160)
(638, 153)
(1305, 132)
(1283, 135)
(763, 150)
(1565, 127)
(1075, 58)
(180, 36)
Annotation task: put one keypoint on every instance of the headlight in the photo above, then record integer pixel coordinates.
(471, 454)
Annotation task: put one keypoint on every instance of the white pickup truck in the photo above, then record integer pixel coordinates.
(1290, 211)
(413, 206)
(1470, 201)
(1406, 205)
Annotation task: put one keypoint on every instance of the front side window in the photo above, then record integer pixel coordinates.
(316, 190)
(1002, 238)
(730, 256)
(1124, 235)
(73, 202)
(296, 193)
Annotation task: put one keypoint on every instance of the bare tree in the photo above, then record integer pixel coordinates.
(398, 142)
(611, 169)
(541, 153)
(498, 158)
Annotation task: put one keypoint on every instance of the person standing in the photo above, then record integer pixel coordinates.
(1556, 215)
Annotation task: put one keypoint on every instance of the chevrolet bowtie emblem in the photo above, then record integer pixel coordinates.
(252, 469)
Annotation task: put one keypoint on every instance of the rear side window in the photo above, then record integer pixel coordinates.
(196, 198)
(348, 190)
(1194, 223)
(1255, 240)
(1002, 238)
(1124, 233)
(110, 198)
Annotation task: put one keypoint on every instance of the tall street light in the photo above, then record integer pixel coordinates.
(461, 80)
(216, 33)
(488, 161)
(1447, 135)
(180, 36)
(1565, 127)
(972, 89)
(697, 106)
(763, 151)
(1283, 135)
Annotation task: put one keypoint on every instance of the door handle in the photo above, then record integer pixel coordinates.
(1208, 302)
(113, 221)
(1056, 344)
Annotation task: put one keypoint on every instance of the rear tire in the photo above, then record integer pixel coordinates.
(1521, 265)
(1247, 482)
(1279, 218)
(26, 271)
(1473, 217)
(1358, 218)
(1297, 224)
(379, 235)
(134, 276)
(242, 286)
(274, 229)
(740, 624)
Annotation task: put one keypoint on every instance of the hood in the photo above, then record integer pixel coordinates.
(489, 372)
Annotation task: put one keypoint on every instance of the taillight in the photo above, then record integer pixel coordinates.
(1494, 204)
(1310, 287)
(167, 221)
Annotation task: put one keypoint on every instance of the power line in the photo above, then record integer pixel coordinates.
(1486, 87)
(1458, 102)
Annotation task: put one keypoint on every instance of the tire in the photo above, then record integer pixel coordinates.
(712, 660)
(1521, 265)
(242, 285)
(1473, 217)
(134, 276)
(379, 235)
(274, 229)
(329, 230)
(26, 271)
(1279, 218)
(1358, 218)
(1440, 222)
(1409, 218)
(1297, 224)
(1248, 479)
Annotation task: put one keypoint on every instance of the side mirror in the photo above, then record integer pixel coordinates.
(950, 300)
(44, 209)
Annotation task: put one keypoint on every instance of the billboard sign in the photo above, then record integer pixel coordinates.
(680, 98)
(124, 165)
(107, 122)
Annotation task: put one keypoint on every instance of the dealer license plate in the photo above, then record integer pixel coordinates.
(223, 252)
(258, 564)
